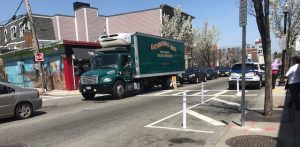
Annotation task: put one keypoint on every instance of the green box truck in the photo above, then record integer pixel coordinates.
(131, 63)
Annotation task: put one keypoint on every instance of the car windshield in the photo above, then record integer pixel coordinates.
(105, 61)
(247, 67)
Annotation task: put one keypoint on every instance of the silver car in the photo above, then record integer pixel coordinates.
(17, 101)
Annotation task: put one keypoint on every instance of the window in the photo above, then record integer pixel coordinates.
(6, 90)
(5, 35)
(13, 32)
(21, 29)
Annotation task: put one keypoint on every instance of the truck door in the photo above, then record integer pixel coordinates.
(126, 69)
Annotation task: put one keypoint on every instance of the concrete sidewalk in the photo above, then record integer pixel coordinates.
(280, 130)
(59, 92)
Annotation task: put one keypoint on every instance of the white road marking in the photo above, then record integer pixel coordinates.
(180, 129)
(205, 118)
(167, 91)
(226, 102)
(181, 93)
(198, 93)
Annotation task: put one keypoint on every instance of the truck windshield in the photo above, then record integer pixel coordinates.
(105, 61)
(248, 67)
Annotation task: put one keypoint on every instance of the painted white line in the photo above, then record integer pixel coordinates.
(216, 95)
(226, 102)
(167, 91)
(181, 93)
(198, 93)
(180, 129)
(205, 118)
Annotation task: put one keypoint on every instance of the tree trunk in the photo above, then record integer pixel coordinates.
(262, 19)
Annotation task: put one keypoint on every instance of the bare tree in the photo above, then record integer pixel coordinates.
(262, 12)
(205, 39)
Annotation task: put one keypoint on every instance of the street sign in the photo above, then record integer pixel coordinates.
(39, 57)
(243, 13)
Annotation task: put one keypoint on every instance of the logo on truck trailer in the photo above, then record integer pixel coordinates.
(163, 44)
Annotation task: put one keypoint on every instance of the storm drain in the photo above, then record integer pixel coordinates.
(252, 141)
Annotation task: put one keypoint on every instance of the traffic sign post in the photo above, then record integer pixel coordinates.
(243, 24)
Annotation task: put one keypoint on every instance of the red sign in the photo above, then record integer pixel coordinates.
(39, 57)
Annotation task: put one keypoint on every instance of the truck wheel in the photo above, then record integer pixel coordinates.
(167, 84)
(230, 86)
(142, 87)
(119, 90)
(88, 96)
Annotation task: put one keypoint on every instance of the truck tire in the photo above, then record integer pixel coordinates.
(167, 84)
(142, 88)
(258, 85)
(88, 96)
(119, 90)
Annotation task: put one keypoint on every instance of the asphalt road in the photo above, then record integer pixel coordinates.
(151, 119)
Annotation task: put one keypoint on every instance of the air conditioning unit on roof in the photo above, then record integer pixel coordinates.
(113, 40)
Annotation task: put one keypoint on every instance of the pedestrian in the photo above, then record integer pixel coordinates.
(275, 71)
(293, 75)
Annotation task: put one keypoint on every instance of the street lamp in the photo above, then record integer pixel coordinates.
(285, 12)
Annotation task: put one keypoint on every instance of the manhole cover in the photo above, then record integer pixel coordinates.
(252, 140)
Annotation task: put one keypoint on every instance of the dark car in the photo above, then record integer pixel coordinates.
(223, 71)
(211, 73)
(194, 75)
(180, 79)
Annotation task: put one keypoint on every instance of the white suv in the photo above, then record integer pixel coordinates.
(254, 75)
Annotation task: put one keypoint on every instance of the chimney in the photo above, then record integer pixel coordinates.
(78, 5)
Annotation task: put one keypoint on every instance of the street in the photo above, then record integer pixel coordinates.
(150, 119)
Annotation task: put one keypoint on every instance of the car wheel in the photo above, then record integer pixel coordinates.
(23, 111)
(197, 80)
(205, 79)
(258, 86)
(119, 90)
(88, 96)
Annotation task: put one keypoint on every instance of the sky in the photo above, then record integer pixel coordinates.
(224, 14)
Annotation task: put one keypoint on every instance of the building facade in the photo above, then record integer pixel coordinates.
(81, 30)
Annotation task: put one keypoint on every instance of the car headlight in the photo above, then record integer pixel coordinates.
(107, 80)
(111, 72)
(192, 75)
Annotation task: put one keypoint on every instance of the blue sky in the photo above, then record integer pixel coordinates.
(224, 14)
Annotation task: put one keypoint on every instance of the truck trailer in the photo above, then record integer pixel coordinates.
(132, 62)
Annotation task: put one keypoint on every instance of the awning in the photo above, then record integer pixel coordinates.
(83, 53)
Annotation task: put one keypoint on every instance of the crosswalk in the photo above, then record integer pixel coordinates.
(224, 93)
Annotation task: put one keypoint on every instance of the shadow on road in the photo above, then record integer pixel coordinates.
(11, 119)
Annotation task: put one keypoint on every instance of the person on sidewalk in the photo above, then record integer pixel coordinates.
(293, 75)
(275, 71)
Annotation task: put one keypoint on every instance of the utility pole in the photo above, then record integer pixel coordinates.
(35, 42)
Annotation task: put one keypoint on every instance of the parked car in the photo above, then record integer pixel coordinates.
(223, 71)
(194, 75)
(17, 101)
(254, 75)
(211, 73)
